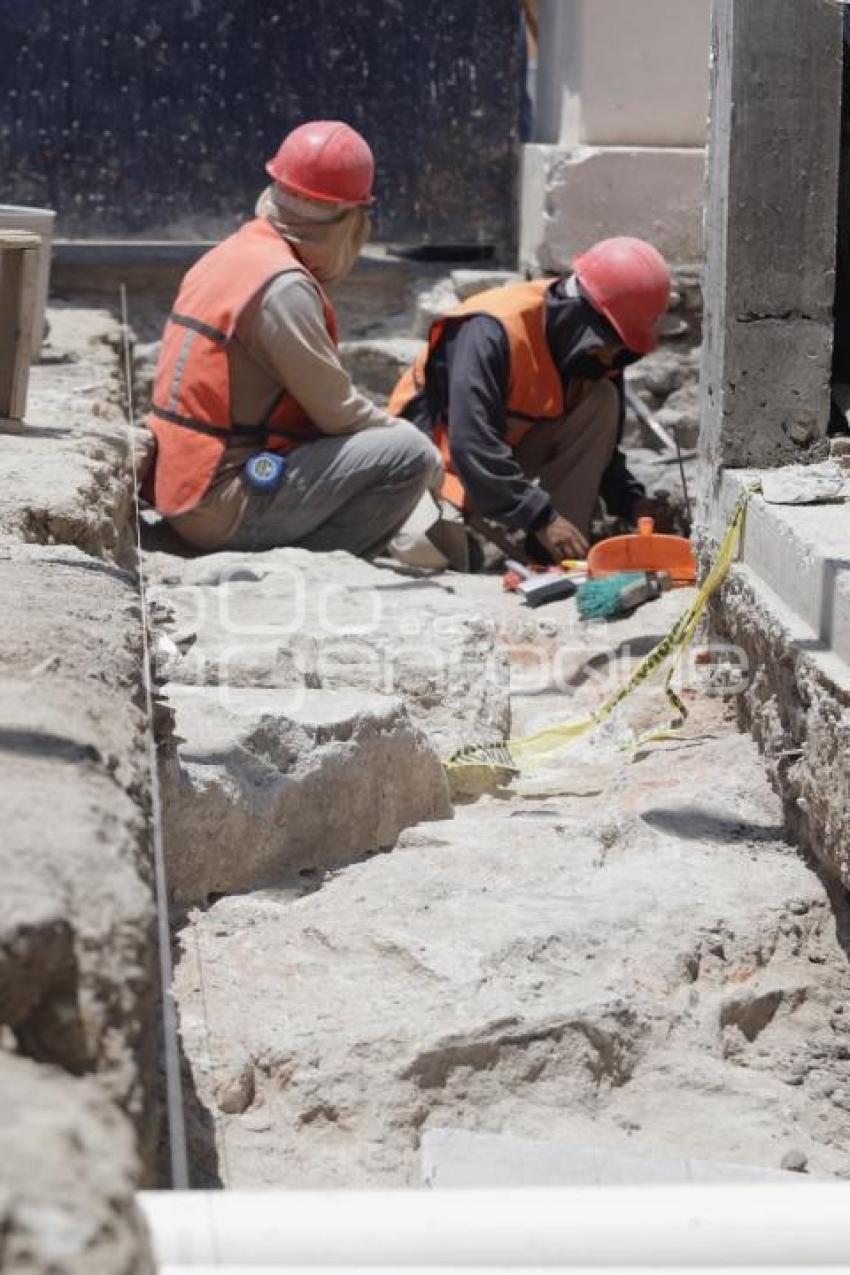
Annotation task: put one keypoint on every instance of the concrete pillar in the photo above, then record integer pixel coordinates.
(770, 231)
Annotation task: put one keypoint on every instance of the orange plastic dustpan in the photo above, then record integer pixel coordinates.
(645, 551)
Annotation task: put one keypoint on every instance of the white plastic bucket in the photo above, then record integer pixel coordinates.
(40, 221)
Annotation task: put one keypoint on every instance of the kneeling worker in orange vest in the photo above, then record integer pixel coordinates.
(522, 389)
(249, 365)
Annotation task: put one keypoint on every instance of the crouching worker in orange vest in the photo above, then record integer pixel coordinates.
(522, 389)
(249, 366)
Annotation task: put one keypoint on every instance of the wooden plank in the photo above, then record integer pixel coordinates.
(12, 238)
(27, 313)
(19, 260)
(10, 295)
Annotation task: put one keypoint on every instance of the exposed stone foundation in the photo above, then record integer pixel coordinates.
(800, 716)
(78, 1009)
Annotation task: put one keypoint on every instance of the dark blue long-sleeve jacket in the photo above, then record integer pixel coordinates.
(466, 386)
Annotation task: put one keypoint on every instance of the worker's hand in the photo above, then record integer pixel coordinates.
(562, 540)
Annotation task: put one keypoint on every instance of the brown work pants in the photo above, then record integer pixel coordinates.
(569, 456)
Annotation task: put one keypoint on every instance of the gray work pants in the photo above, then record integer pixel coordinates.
(351, 492)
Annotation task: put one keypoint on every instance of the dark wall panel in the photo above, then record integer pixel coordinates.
(157, 117)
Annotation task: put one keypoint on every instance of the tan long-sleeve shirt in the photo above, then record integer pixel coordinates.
(281, 342)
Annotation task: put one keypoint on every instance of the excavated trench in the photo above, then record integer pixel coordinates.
(619, 953)
(622, 951)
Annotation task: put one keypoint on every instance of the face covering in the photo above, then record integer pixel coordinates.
(327, 239)
(589, 368)
(575, 331)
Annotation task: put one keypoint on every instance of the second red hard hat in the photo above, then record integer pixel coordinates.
(627, 281)
(325, 160)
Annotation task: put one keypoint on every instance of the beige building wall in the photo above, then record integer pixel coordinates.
(621, 122)
(634, 72)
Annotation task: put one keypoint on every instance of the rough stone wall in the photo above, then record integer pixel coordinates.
(68, 1178)
(800, 718)
(78, 1009)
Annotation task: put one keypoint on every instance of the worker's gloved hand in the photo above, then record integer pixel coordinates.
(561, 539)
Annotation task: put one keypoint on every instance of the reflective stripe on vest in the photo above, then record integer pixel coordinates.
(191, 414)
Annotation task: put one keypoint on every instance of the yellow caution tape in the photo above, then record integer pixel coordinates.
(517, 754)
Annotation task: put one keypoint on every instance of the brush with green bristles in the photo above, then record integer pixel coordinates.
(607, 597)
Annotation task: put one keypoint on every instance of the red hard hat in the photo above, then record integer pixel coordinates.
(327, 161)
(628, 281)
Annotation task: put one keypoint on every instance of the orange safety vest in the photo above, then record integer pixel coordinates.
(191, 414)
(535, 389)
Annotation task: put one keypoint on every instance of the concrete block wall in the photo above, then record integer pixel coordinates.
(78, 1011)
(622, 99)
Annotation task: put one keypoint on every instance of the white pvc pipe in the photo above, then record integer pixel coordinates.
(803, 1225)
(282, 1268)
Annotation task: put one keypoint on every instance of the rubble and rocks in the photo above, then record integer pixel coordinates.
(376, 364)
(313, 698)
(680, 414)
(800, 717)
(432, 303)
(804, 484)
(289, 618)
(76, 915)
(635, 966)
(78, 1010)
(469, 283)
(621, 955)
(65, 474)
(68, 1178)
(300, 781)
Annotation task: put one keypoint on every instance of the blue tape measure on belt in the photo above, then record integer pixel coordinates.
(265, 470)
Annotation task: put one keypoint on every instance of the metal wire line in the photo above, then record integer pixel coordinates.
(178, 1155)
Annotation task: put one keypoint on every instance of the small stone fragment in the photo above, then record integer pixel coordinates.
(469, 283)
(794, 1161)
(235, 1089)
(804, 484)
